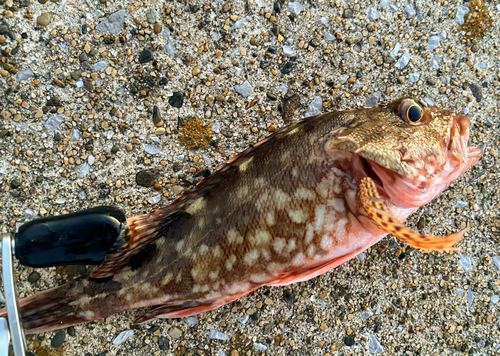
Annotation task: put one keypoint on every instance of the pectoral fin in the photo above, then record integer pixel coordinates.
(378, 213)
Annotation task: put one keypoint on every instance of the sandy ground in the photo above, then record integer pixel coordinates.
(77, 125)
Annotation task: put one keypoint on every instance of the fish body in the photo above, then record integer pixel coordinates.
(297, 204)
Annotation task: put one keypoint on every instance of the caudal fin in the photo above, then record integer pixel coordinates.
(64, 306)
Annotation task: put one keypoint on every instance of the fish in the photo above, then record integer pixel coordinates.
(300, 202)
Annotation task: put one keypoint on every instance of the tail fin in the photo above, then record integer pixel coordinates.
(64, 306)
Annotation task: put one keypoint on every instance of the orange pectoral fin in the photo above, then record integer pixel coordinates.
(378, 213)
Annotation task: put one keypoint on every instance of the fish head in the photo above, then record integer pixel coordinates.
(411, 151)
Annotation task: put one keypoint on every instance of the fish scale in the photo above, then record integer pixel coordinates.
(300, 202)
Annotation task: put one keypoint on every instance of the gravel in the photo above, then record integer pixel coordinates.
(314, 107)
(113, 24)
(459, 15)
(122, 337)
(245, 89)
(403, 60)
(24, 74)
(77, 123)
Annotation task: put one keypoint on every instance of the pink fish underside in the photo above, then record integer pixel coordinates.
(282, 212)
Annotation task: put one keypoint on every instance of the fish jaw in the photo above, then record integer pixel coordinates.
(433, 176)
(420, 173)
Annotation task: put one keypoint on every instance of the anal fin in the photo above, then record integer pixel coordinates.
(186, 309)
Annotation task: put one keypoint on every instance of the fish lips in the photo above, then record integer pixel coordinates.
(409, 192)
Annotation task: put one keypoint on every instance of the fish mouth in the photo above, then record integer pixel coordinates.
(406, 192)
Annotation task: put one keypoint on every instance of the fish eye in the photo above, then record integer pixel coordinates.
(410, 111)
(414, 113)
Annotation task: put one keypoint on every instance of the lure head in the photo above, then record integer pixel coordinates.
(411, 152)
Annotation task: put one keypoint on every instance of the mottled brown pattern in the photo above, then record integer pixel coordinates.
(282, 211)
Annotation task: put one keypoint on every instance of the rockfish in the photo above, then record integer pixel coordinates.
(297, 204)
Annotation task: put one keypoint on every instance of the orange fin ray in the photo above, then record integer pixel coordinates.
(378, 213)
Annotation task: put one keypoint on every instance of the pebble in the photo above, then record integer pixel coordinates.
(470, 298)
(190, 320)
(75, 135)
(410, 11)
(29, 214)
(145, 56)
(383, 3)
(496, 261)
(216, 127)
(287, 68)
(433, 42)
(169, 48)
(259, 347)
(44, 19)
(494, 299)
(459, 15)
(322, 21)
(243, 319)
(465, 262)
(58, 339)
(374, 346)
(175, 333)
(152, 150)
(217, 335)
(476, 91)
(146, 177)
(244, 89)
(393, 7)
(366, 314)
(349, 340)
(329, 37)
(157, 120)
(238, 24)
(157, 27)
(177, 99)
(24, 74)
(295, 7)
(53, 122)
(403, 60)
(288, 50)
(82, 195)
(434, 64)
(395, 50)
(113, 24)
(100, 66)
(314, 107)
(151, 16)
(165, 33)
(33, 277)
(83, 170)
(154, 199)
(347, 14)
(122, 337)
(373, 14)
(163, 343)
(373, 99)
(414, 77)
